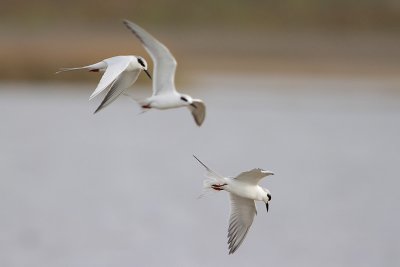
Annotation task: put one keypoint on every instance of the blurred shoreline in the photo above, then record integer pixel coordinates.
(38, 55)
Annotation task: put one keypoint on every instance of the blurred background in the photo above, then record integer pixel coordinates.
(275, 36)
(307, 89)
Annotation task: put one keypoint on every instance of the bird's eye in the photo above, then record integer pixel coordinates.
(269, 197)
(184, 99)
(140, 61)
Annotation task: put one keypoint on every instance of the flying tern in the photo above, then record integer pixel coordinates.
(164, 94)
(243, 191)
(120, 73)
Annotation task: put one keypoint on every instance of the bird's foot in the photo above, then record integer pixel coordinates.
(218, 187)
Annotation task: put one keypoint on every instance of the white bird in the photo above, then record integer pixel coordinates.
(243, 191)
(120, 73)
(165, 95)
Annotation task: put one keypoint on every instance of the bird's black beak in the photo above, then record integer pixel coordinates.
(148, 74)
(267, 206)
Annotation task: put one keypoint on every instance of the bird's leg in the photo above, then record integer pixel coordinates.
(218, 187)
(146, 106)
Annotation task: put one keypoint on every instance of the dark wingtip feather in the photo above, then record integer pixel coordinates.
(101, 106)
(98, 109)
(126, 23)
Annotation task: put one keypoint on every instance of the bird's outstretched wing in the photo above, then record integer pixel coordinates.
(164, 61)
(253, 176)
(198, 110)
(241, 218)
(118, 86)
(115, 66)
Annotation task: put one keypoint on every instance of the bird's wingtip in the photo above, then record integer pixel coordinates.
(60, 70)
(266, 172)
(98, 109)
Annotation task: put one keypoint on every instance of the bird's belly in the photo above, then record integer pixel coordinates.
(165, 103)
(244, 190)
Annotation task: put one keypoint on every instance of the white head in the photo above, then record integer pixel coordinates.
(143, 65)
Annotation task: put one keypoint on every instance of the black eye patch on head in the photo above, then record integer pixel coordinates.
(184, 99)
(140, 61)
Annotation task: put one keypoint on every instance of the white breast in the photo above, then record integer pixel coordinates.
(245, 190)
(166, 101)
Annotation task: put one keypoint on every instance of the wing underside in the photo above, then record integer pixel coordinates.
(164, 62)
(241, 218)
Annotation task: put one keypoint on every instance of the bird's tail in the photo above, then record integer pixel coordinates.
(100, 66)
(144, 105)
(214, 181)
(141, 102)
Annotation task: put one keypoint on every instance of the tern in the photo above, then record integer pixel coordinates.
(164, 95)
(243, 191)
(120, 73)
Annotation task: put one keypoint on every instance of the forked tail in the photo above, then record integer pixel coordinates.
(214, 180)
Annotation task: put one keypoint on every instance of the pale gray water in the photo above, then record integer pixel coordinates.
(117, 189)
